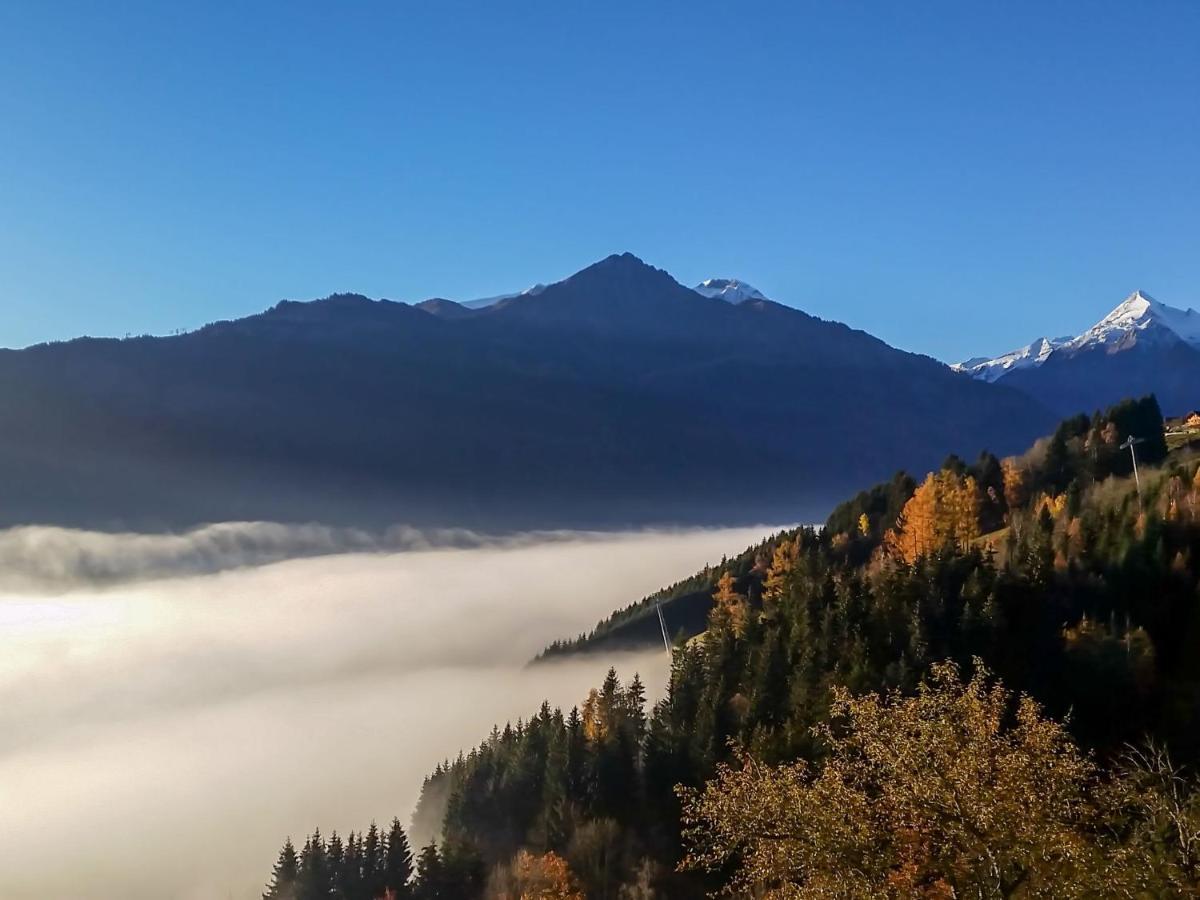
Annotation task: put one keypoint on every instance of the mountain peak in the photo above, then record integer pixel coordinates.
(1140, 316)
(1031, 355)
(620, 272)
(1138, 323)
(618, 262)
(731, 290)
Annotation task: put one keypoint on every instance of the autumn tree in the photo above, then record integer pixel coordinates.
(942, 514)
(535, 877)
(730, 609)
(1016, 484)
(783, 560)
(957, 791)
(1162, 805)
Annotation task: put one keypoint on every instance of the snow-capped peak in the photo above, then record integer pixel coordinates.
(1033, 354)
(1140, 315)
(728, 289)
(1138, 320)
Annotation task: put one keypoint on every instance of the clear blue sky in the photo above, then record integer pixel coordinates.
(956, 177)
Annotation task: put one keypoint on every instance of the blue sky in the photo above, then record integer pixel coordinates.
(955, 177)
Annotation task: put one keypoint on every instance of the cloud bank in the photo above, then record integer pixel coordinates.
(171, 708)
(51, 559)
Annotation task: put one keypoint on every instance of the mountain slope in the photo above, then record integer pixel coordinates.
(1142, 346)
(1085, 605)
(615, 397)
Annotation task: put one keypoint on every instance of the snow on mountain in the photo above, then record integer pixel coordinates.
(728, 289)
(1033, 354)
(1138, 319)
(1142, 317)
(492, 301)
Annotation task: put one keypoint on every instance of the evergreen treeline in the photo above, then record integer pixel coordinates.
(364, 866)
(636, 625)
(1051, 568)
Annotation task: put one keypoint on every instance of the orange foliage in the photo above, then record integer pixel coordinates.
(944, 512)
(1015, 484)
(597, 717)
(782, 563)
(730, 607)
(545, 877)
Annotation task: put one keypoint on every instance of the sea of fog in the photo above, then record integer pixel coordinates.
(173, 707)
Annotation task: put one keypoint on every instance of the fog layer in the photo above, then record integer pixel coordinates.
(160, 737)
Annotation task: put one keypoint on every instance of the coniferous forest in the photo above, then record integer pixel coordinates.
(980, 682)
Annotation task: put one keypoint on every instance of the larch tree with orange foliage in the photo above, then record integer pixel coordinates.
(536, 877)
(730, 609)
(783, 560)
(943, 513)
(1016, 491)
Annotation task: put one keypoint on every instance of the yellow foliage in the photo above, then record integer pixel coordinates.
(1053, 505)
(944, 512)
(596, 716)
(544, 877)
(864, 525)
(959, 791)
(782, 563)
(1015, 481)
(729, 607)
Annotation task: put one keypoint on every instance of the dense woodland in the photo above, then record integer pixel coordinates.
(981, 683)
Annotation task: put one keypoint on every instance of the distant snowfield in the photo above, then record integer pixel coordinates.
(159, 738)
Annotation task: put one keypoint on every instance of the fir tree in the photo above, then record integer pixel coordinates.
(398, 861)
(285, 875)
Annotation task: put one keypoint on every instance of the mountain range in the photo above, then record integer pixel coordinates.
(1141, 347)
(614, 397)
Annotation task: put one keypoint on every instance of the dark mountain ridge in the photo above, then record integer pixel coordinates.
(615, 397)
(1096, 375)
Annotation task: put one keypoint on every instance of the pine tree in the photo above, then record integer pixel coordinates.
(314, 882)
(430, 881)
(636, 703)
(372, 862)
(285, 874)
(351, 877)
(336, 854)
(398, 861)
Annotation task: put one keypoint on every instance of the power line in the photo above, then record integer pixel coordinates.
(1131, 442)
(662, 623)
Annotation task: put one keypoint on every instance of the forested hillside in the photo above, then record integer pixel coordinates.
(944, 692)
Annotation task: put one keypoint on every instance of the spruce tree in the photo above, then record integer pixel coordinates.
(398, 862)
(285, 874)
(430, 881)
(372, 863)
(314, 882)
(336, 854)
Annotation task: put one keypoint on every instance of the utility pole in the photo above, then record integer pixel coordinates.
(662, 623)
(1131, 442)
